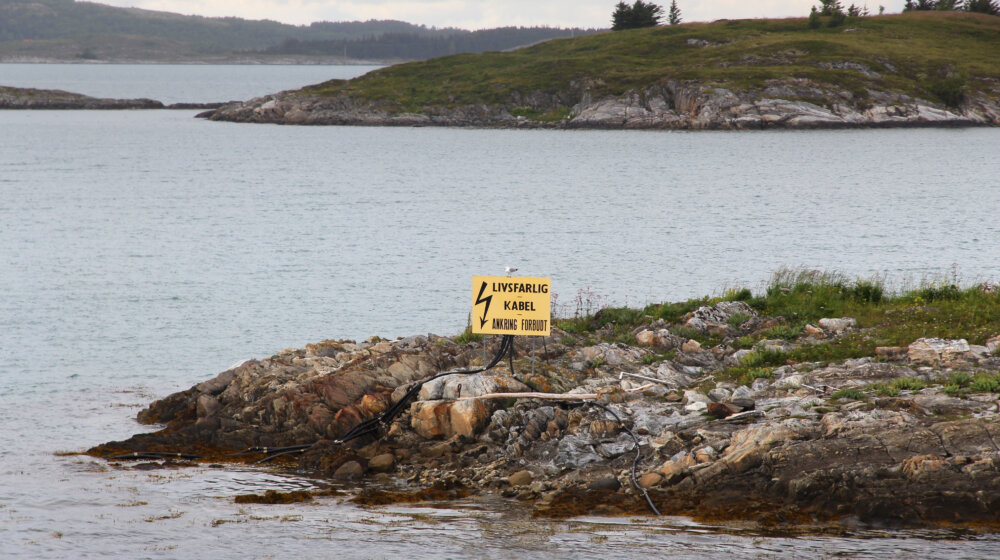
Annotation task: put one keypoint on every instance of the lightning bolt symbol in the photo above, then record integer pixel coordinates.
(486, 300)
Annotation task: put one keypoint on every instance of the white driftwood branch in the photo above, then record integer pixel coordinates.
(545, 396)
(551, 396)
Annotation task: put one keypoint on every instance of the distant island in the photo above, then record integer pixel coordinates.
(31, 98)
(69, 31)
(911, 69)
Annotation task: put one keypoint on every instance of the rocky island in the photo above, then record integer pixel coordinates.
(32, 98)
(913, 69)
(822, 402)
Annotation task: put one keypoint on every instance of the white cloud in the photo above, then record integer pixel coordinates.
(478, 14)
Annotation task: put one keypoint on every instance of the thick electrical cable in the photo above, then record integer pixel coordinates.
(638, 453)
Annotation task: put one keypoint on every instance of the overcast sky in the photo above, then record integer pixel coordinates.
(478, 14)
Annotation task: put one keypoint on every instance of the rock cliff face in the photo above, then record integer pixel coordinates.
(875, 440)
(785, 103)
(26, 98)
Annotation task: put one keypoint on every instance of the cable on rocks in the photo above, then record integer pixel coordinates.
(638, 454)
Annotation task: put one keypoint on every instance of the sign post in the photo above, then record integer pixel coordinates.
(517, 305)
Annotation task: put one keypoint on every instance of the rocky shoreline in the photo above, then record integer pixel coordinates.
(877, 440)
(683, 105)
(30, 98)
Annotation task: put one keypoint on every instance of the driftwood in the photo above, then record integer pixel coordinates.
(550, 396)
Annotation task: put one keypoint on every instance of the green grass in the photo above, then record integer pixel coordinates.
(851, 394)
(935, 55)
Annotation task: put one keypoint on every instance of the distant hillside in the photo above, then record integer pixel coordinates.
(914, 69)
(68, 30)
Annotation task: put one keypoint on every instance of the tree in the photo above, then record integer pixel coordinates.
(830, 7)
(674, 17)
(983, 7)
(640, 14)
(814, 21)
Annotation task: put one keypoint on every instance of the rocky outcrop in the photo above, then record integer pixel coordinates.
(880, 440)
(26, 98)
(784, 103)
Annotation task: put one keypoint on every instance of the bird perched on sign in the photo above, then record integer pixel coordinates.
(510, 270)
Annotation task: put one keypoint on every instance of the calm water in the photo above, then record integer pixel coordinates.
(142, 252)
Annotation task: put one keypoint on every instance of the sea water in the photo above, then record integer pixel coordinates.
(144, 251)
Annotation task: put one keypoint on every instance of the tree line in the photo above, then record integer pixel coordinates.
(39, 20)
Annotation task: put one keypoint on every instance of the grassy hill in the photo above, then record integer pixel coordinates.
(933, 55)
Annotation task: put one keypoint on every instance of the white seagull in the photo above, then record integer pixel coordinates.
(510, 270)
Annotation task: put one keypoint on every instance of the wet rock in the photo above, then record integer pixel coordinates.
(607, 483)
(349, 470)
(207, 406)
(382, 463)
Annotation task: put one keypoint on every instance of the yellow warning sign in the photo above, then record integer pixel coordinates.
(511, 305)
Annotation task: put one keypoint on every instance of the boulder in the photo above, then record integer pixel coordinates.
(837, 326)
(939, 352)
(717, 317)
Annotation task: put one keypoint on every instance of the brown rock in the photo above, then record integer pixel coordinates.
(382, 463)
(650, 480)
(691, 345)
(893, 353)
(349, 470)
(812, 331)
(436, 450)
(722, 410)
(673, 471)
(466, 418)
(521, 478)
(913, 466)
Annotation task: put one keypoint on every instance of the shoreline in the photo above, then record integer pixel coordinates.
(732, 422)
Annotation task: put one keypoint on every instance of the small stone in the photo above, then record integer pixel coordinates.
(349, 470)
(607, 483)
(382, 463)
(650, 480)
(521, 478)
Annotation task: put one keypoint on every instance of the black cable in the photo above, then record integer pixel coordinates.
(154, 455)
(635, 461)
